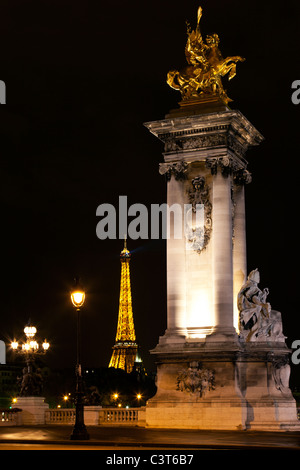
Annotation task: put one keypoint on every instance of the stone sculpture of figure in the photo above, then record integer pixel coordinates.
(30, 382)
(257, 321)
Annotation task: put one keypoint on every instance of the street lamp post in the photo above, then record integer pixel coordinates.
(31, 384)
(79, 431)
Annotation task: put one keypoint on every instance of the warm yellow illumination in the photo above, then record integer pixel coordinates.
(116, 396)
(30, 331)
(45, 345)
(14, 400)
(14, 344)
(125, 349)
(33, 345)
(139, 396)
(119, 405)
(199, 317)
(26, 346)
(78, 298)
(66, 397)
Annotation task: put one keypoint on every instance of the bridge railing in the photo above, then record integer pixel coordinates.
(124, 416)
(96, 415)
(10, 417)
(60, 416)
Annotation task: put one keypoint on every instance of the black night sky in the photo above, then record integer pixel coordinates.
(82, 77)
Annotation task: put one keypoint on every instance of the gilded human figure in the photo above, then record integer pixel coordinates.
(206, 66)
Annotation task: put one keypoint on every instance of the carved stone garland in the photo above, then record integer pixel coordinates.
(195, 379)
(199, 194)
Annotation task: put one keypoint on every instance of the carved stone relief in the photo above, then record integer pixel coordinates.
(198, 234)
(195, 380)
(281, 373)
(210, 140)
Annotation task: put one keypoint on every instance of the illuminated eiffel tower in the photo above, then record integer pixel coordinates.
(125, 349)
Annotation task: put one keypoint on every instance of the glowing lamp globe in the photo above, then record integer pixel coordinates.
(30, 331)
(45, 345)
(77, 295)
(14, 344)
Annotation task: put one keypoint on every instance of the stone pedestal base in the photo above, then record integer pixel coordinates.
(33, 410)
(91, 415)
(222, 385)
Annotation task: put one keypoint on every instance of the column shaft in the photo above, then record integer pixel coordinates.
(176, 271)
(222, 254)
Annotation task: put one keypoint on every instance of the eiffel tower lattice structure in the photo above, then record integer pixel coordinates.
(125, 348)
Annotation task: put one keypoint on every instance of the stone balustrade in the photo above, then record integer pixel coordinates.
(123, 416)
(60, 416)
(10, 417)
(96, 415)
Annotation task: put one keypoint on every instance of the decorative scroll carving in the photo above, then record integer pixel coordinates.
(178, 169)
(242, 176)
(195, 379)
(226, 164)
(257, 321)
(199, 236)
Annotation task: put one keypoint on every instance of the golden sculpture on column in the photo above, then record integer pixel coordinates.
(201, 78)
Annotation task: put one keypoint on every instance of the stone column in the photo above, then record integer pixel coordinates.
(176, 271)
(239, 246)
(222, 254)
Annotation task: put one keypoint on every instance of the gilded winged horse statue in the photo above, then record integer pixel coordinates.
(206, 66)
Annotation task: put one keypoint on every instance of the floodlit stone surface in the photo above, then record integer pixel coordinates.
(209, 376)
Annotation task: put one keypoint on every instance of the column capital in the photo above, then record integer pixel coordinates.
(177, 169)
(242, 176)
(229, 166)
(226, 164)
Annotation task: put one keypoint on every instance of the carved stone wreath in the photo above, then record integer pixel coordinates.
(195, 380)
(199, 237)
